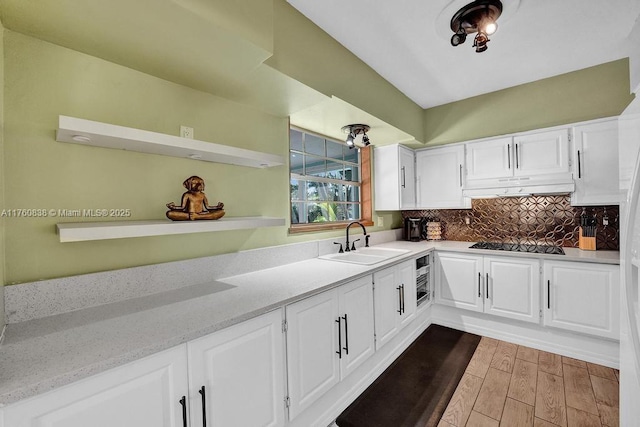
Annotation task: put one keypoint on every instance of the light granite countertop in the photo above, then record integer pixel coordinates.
(42, 354)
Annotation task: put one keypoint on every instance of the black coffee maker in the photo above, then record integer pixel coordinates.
(412, 229)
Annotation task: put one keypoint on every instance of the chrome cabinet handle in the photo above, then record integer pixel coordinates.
(517, 159)
(346, 335)
(479, 290)
(509, 155)
(549, 294)
(339, 352)
(183, 402)
(402, 292)
(460, 175)
(399, 301)
(204, 406)
(403, 178)
(579, 166)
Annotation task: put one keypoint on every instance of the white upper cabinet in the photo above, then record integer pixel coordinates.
(595, 166)
(394, 178)
(439, 178)
(531, 162)
(542, 153)
(490, 159)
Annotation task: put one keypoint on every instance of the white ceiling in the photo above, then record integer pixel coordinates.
(408, 41)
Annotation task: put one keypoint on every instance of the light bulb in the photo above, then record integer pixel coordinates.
(491, 28)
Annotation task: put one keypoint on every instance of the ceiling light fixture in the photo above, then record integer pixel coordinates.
(353, 131)
(478, 17)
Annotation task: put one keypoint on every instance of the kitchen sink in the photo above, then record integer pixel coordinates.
(365, 256)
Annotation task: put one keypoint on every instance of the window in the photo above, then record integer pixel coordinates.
(327, 181)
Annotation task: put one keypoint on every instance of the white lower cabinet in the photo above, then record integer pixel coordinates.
(459, 281)
(241, 369)
(582, 297)
(328, 336)
(512, 288)
(144, 393)
(237, 375)
(395, 300)
(503, 286)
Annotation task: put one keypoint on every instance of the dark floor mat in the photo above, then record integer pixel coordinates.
(416, 389)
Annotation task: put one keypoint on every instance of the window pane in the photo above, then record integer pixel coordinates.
(314, 145)
(335, 170)
(315, 166)
(297, 189)
(352, 173)
(352, 193)
(298, 215)
(353, 212)
(295, 139)
(321, 212)
(323, 191)
(295, 162)
(334, 150)
(351, 154)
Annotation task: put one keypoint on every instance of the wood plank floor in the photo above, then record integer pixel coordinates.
(514, 386)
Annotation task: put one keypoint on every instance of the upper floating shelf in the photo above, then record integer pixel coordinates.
(87, 132)
(88, 231)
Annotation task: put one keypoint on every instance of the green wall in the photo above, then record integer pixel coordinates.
(305, 52)
(591, 93)
(43, 81)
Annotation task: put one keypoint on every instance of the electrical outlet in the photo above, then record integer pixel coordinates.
(380, 222)
(186, 132)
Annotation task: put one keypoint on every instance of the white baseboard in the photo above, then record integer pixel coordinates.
(591, 349)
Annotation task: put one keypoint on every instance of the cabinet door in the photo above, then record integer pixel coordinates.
(459, 281)
(595, 166)
(439, 173)
(512, 288)
(394, 178)
(407, 278)
(388, 305)
(356, 310)
(542, 153)
(144, 393)
(312, 349)
(582, 297)
(489, 159)
(407, 179)
(242, 371)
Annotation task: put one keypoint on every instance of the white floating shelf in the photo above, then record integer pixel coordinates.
(86, 231)
(87, 132)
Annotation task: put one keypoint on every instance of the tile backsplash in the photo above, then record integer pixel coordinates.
(543, 220)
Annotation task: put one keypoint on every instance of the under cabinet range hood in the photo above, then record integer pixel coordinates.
(518, 187)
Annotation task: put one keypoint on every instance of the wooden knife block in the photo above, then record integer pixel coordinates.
(586, 243)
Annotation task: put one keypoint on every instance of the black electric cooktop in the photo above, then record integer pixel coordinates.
(519, 247)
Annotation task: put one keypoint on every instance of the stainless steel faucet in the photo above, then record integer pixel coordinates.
(353, 246)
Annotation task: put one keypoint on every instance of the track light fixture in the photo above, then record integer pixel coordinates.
(478, 17)
(353, 131)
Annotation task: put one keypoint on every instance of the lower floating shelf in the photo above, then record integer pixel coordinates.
(87, 231)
